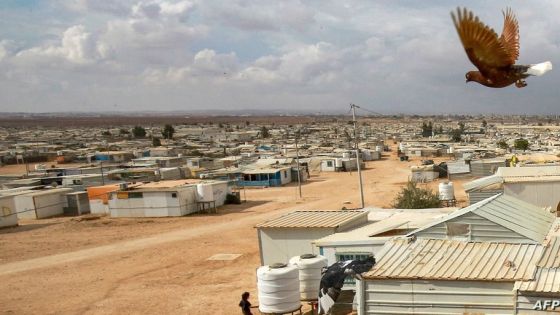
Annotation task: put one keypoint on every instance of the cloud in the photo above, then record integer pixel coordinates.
(76, 46)
(390, 56)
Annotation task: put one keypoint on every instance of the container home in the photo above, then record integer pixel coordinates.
(293, 234)
(266, 177)
(40, 204)
(433, 276)
(8, 214)
(167, 198)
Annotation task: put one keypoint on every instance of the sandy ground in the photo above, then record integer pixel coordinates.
(160, 266)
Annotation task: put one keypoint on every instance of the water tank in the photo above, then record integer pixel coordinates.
(205, 192)
(338, 163)
(310, 267)
(446, 191)
(346, 155)
(451, 150)
(278, 288)
(379, 148)
(59, 153)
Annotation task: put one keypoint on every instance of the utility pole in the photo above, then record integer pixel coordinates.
(353, 107)
(298, 168)
(102, 177)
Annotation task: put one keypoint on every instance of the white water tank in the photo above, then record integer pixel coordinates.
(378, 148)
(451, 150)
(337, 162)
(205, 192)
(346, 155)
(446, 191)
(278, 288)
(310, 267)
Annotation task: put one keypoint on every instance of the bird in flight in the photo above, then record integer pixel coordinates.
(494, 56)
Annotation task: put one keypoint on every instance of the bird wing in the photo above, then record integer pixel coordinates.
(510, 35)
(481, 43)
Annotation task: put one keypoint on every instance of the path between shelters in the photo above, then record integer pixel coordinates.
(132, 245)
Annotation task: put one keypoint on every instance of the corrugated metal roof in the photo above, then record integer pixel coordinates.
(519, 216)
(521, 179)
(455, 260)
(551, 255)
(547, 277)
(536, 171)
(546, 280)
(482, 182)
(395, 219)
(314, 219)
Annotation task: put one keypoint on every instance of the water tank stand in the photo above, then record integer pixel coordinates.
(449, 203)
(207, 206)
(294, 312)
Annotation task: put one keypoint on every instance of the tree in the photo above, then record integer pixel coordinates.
(138, 132)
(456, 135)
(264, 132)
(521, 144)
(168, 132)
(461, 126)
(414, 197)
(502, 144)
(484, 123)
(106, 133)
(156, 142)
(427, 129)
(123, 131)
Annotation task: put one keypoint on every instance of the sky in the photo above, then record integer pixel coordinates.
(317, 56)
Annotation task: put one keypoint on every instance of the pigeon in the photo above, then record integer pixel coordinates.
(494, 56)
(332, 280)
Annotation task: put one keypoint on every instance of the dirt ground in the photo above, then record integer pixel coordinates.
(159, 265)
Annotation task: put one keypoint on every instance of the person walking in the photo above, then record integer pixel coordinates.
(245, 304)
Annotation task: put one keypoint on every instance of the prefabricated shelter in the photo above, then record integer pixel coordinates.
(338, 164)
(546, 283)
(78, 203)
(539, 185)
(483, 188)
(423, 173)
(486, 167)
(167, 198)
(8, 214)
(499, 218)
(40, 204)
(114, 156)
(292, 234)
(99, 197)
(434, 276)
(383, 225)
(266, 177)
(331, 164)
(458, 169)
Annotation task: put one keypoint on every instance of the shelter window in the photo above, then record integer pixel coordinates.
(329, 164)
(173, 195)
(458, 229)
(285, 173)
(135, 195)
(351, 256)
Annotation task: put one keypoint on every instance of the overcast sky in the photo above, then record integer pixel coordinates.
(317, 55)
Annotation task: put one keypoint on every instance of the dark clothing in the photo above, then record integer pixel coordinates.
(245, 307)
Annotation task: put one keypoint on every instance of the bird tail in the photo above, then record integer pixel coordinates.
(540, 68)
